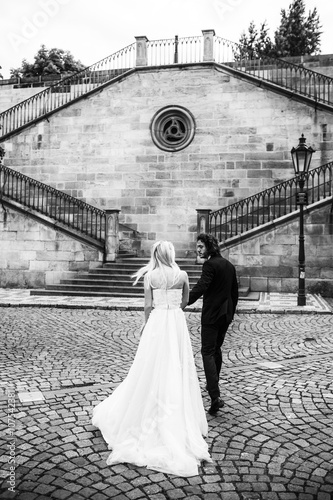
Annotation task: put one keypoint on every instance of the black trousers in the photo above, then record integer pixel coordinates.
(212, 337)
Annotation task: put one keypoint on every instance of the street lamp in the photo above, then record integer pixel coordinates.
(301, 156)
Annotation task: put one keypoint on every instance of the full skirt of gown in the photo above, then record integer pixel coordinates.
(155, 417)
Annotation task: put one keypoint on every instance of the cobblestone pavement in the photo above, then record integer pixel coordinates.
(273, 440)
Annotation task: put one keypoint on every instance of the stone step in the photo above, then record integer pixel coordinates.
(118, 266)
(243, 291)
(135, 293)
(126, 272)
(138, 263)
(82, 286)
(108, 289)
(125, 279)
(84, 293)
(114, 280)
(99, 282)
(91, 284)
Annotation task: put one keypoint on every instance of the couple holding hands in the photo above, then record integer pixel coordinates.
(155, 417)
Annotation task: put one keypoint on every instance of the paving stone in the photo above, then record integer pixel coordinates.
(87, 492)
(73, 487)
(111, 491)
(157, 496)
(176, 493)
(125, 487)
(99, 496)
(63, 494)
(271, 440)
(156, 477)
(152, 489)
(140, 481)
(135, 494)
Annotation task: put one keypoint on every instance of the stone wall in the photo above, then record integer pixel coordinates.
(100, 149)
(10, 96)
(33, 255)
(271, 259)
(321, 63)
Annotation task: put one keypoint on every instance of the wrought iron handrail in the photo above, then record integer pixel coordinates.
(51, 202)
(66, 90)
(296, 78)
(291, 76)
(270, 204)
(175, 51)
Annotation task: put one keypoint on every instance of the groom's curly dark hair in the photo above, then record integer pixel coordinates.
(210, 242)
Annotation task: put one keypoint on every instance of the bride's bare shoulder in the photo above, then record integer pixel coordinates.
(183, 276)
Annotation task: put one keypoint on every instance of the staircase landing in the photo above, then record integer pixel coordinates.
(282, 303)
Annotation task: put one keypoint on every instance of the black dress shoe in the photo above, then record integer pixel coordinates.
(215, 406)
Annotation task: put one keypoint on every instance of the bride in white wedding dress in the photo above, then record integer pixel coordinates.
(155, 417)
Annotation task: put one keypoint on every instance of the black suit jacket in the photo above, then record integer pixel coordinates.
(219, 287)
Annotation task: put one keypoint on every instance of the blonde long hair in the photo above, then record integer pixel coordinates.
(162, 255)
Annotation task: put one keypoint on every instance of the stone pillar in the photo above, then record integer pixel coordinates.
(203, 220)
(111, 234)
(141, 50)
(208, 54)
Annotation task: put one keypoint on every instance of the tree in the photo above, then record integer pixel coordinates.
(255, 43)
(47, 62)
(297, 35)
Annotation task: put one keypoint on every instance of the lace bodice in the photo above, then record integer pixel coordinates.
(167, 298)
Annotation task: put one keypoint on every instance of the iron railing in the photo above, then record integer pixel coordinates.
(175, 51)
(66, 90)
(270, 204)
(291, 76)
(63, 208)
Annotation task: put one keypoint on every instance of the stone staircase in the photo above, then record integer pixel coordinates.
(114, 280)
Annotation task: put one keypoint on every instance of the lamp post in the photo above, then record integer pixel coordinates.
(301, 156)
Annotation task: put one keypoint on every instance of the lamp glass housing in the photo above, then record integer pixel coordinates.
(301, 156)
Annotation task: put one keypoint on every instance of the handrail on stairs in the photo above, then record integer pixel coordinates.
(51, 202)
(294, 77)
(100, 226)
(187, 50)
(103, 226)
(66, 90)
(265, 206)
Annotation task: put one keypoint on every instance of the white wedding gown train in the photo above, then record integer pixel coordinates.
(155, 417)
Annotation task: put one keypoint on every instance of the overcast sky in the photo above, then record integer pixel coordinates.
(94, 29)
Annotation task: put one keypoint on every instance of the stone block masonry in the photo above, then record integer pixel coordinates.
(33, 255)
(10, 97)
(270, 260)
(100, 149)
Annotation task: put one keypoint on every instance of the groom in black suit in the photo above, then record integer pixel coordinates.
(219, 287)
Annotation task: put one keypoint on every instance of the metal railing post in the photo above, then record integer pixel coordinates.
(111, 235)
(141, 51)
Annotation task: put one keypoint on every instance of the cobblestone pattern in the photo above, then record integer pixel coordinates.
(273, 440)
